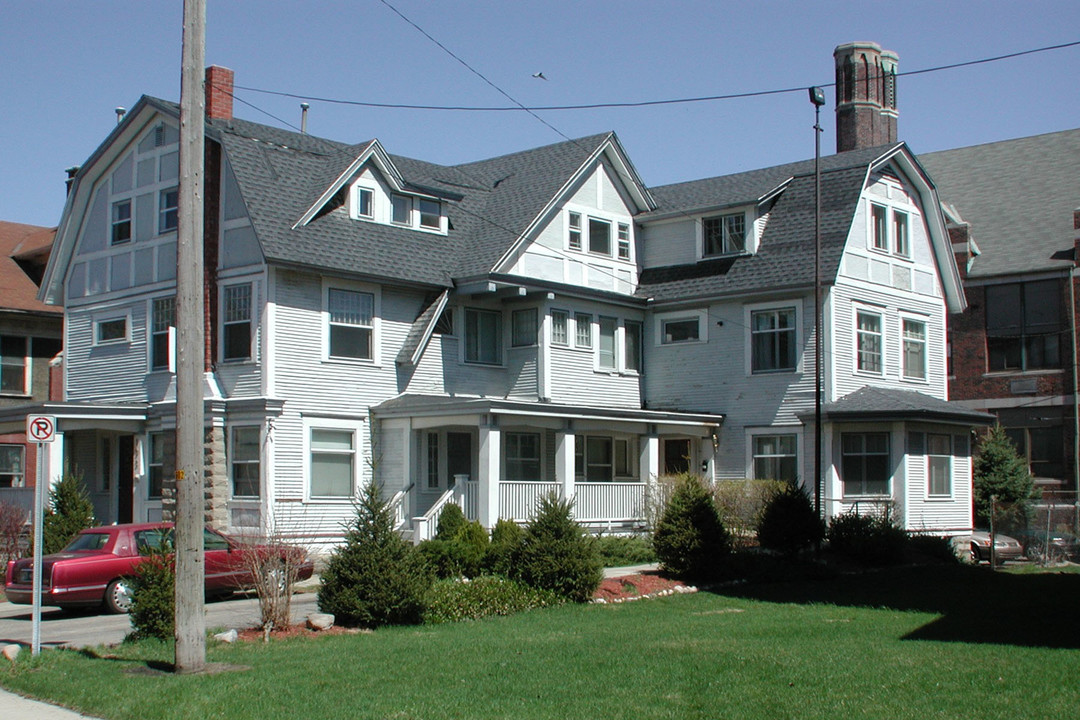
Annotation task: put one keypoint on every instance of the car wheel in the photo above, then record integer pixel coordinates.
(975, 554)
(118, 596)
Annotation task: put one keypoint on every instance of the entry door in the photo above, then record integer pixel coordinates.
(676, 456)
(125, 477)
(458, 456)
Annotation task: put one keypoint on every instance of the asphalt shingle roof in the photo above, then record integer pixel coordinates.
(1018, 195)
(17, 290)
(785, 255)
(868, 403)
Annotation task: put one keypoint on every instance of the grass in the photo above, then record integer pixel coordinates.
(931, 642)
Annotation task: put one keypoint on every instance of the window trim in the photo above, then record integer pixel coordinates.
(574, 235)
(355, 427)
(1023, 336)
(565, 315)
(418, 204)
(857, 335)
(639, 355)
(375, 327)
(531, 336)
(610, 245)
(152, 438)
(874, 227)
(166, 212)
(725, 251)
(753, 435)
(225, 287)
(153, 333)
(662, 319)
(795, 304)
(233, 462)
(500, 344)
(949, 455)
(26, 365)
(127, 222)
(587, 318)
(507, 458)
(901, 245)
(616, 356)
(623, 241)
(888, 460)
(906, 318)
(407, 222)
(358, 191)
(18, 478)
(98, 321)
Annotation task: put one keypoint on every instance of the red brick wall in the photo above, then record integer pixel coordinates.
(30, 455)
(219, 88)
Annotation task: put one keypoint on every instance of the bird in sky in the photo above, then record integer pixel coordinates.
(539, 75)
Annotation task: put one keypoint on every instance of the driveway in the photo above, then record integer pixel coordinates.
(79, 629)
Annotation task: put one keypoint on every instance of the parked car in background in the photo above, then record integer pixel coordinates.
(1005, 547)
(1049, 547)
(96, 566)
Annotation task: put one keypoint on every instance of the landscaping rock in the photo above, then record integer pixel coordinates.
(11, 652)
(320, 621)
(228, 636)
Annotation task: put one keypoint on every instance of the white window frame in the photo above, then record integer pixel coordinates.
(625, 353)
(508, 446)
(152, 333)
(560, 318)
(167, 212)
(407, 222)
(725, 250)
(856, 336)
(375, 327)
(574, 231)
(872, 227)
(152, 440)
(116, 223)
(610, 237)
(587, 318)
(864, 454)
(18, 478)
(253, 288)
(901, 240)
(418, 204)
(356, 427)
(930, 459)
(906, 318)
(624, 242)
(358, 192)
(616, 336)
(500, 332)
(662, 319)
(752, 435)
(26, 364)
(100, 320)
(233, 461)
(748, 334)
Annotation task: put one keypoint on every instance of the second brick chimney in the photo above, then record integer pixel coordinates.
(219, 93)
(865, 96)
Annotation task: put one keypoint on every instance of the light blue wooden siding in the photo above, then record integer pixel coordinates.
(575, 382)
(924, 513)
(668, 243)
(522, 369)
(114, 372)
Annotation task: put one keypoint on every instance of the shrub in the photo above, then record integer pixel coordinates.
(789, 523)
(462, 553)
(622, 550)
(556, 554)
(505, 541)
(451, 520)
(454, 600)
(153, 596)
(1000, 472)
(12, 526)
(934, 547)
(741, 505)
(867, 539)
(375, 578)
(69, 511)
(690, 541)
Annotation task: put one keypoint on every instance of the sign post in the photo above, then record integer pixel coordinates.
(40, 429)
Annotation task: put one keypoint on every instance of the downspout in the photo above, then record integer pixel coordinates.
(1076, 396)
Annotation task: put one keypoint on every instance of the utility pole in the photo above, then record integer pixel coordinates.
(817, 97)
(190, 623)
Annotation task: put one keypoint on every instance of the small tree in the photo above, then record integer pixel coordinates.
(1000, 471)
(789, 523)
(12, 526)
(375, 578)
(153, 593)
(690, 541)
(556, 554)
(505, 540)
(69, 512)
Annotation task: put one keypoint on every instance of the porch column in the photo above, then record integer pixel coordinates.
(564, 460)
(649, 462)
(53, 461)
(487, 470)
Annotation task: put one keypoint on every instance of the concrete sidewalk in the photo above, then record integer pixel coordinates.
(16, 707)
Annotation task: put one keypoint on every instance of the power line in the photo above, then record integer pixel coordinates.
(518, 107)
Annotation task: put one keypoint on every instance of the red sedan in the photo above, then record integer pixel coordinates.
(95, 567)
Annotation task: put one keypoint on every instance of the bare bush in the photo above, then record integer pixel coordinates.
(274, 567)
(12, 529)
(741, 504)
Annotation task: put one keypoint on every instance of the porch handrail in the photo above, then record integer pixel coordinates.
(424, 526)
(396, 505)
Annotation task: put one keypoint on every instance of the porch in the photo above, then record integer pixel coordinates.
(497, 459)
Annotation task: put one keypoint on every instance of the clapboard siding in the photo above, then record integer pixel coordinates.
(668, 243)
(575, 382)
(109, 373)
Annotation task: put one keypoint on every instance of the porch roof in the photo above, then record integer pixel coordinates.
(885, 404)
(75, 410)
(412, 405)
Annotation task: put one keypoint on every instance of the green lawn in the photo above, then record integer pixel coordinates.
(931, 642)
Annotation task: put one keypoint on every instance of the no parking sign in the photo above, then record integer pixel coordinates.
(41, 428)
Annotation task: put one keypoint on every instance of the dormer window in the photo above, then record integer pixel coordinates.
(599, 237)
(723, 235)
(430, 214)
(365, 202)
(400, 207)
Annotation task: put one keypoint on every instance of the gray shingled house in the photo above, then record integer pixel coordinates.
(491, 332)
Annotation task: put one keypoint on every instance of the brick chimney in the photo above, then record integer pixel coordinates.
(219, 93)
(865, 96)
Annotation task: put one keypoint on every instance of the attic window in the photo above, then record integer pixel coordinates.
(430, 214)
(365, 198)
(400, 207)
(723, 235)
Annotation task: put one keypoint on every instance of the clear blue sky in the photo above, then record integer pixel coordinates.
(67, 65)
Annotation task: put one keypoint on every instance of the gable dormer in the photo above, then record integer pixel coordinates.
(373, 199)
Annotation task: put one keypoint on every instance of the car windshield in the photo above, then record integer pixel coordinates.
(147, 541)
(88, 541)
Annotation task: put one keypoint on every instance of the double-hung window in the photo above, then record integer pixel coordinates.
(523, 327)
(162, 333)
(901, 244)
(1024, 325)
(775, 457)
(594, 458)
(483, 336)
(430, 213)
(879, 227)
(723, 235)
(773, 345)
(156, 464)
(400, 209)
(351, 318)
(583, 330)
(914, 349)
(244, 461)
(522, 456)
(236, 322)
(868, 342)
(624, 241)
(865, 463)
(939, 465)
(333, 463)
(12, 465)
(632, 338)
(573, 240)
(365, 202)
(168, 202)
(121, 222)
(13, 364)
(559, 331)
(606, 355)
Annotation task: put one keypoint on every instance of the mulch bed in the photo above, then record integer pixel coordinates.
(637, 587)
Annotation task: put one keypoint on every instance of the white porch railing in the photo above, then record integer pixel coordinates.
(425, 525)
(518, 499)
(609, 501)
(399, 506)
(470, 500)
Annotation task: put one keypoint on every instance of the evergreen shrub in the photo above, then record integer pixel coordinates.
(461, 599)
(867, 539)
(690, 540)
(556, 554)
(153, 594)
(789, 523)
(505, 540)
(69, 512)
